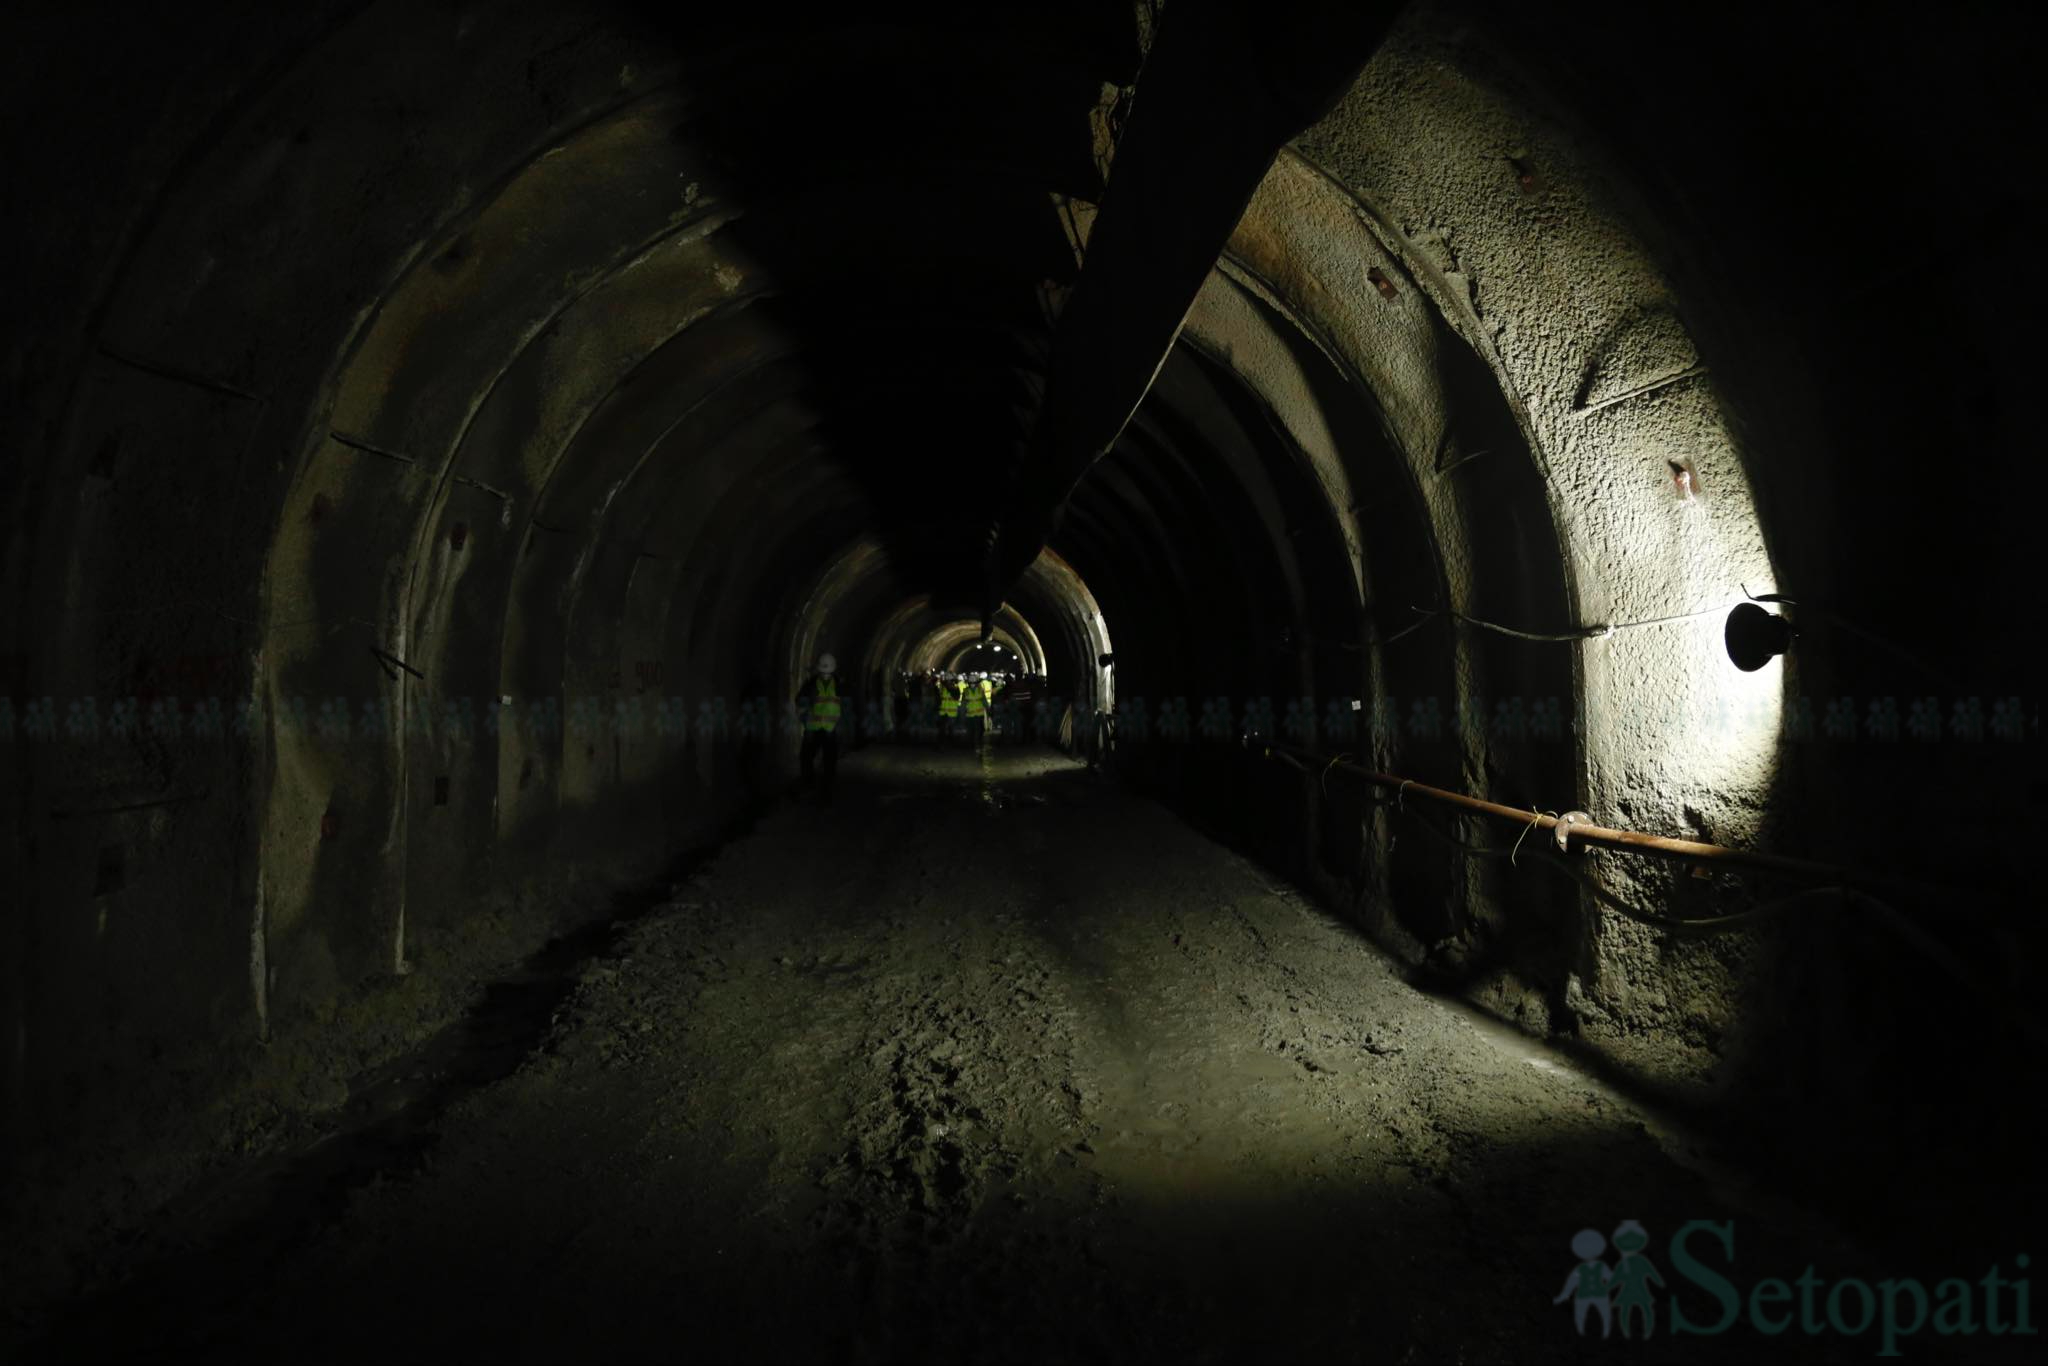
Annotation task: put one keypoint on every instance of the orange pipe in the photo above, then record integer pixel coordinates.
(1581, 834)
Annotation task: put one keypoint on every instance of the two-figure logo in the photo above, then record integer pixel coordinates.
(1625, 1286)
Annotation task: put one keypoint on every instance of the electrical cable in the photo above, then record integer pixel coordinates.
(1408, 629)
(1602, 631)
(1579, 633)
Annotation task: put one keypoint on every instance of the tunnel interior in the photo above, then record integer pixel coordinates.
(449, 436)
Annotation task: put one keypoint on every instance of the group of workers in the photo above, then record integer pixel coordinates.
(964, 698)
(978, 705)
(962, 703)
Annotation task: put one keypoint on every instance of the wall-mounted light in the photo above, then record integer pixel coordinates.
(1755, 637)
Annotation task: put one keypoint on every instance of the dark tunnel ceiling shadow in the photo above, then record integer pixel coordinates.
(920, 309)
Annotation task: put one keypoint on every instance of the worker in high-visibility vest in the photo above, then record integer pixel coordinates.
(949, 709)
(975, 704)
(818, 704)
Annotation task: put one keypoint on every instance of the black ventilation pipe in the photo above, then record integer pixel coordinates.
(1226, 86)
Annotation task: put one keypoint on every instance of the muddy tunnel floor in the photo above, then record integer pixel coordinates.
(989, 1060)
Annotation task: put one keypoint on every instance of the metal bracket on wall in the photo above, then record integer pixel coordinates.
(479, 484)
(172, 372)
(1444, 468)
(356, 443)
(1690, 372)
(175, 799)
(534, 524)
(392, 664)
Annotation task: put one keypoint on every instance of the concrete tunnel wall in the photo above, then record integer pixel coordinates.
(410, 361)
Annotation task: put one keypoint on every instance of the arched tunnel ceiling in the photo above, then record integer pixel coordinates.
(549, 442)
(570, 353)
(704, 358)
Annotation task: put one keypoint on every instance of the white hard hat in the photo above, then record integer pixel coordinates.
(827, 664)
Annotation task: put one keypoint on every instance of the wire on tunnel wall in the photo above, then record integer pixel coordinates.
(1602, 630)
(1577, 633)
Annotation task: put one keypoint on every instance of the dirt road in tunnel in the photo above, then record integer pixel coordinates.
(988, 1060)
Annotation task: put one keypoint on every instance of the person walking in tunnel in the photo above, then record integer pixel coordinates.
(949, 710)
(1103, 743)
(818, 703)
(999, 721)
(924, 693)
(1019, 706)
(974, 702)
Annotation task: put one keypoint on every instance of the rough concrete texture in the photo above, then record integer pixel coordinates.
(990, 1061)
(385, 422)
(1513, 231)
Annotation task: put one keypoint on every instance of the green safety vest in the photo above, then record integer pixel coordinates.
(977, 702)
(824, 705)
(949, 701)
